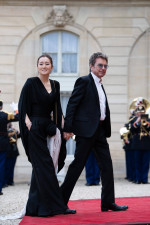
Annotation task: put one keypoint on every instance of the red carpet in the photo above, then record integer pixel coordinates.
(88, 212)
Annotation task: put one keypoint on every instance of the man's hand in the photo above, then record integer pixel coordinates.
(135, 124)
(138, 119)
(68, 135)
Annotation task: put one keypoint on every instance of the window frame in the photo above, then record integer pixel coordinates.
(60, 53)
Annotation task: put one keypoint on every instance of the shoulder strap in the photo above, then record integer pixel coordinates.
(55, 104)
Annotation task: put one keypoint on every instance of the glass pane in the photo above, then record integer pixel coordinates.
(69, 43)
(50, 42)
(69, 63)
(54, 57)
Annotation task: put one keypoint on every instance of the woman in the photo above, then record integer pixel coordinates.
(39, 98)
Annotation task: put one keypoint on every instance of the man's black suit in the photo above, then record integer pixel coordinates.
(83, 119)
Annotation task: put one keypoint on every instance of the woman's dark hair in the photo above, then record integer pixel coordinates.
(1, 103)
(96, 55)
(45, 55)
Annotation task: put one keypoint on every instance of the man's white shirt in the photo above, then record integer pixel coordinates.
(102, 98)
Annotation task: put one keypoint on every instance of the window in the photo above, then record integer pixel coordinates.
(63, 47)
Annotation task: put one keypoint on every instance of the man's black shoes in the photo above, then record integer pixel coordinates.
(1, 193)
(70, 211)
(113, 207)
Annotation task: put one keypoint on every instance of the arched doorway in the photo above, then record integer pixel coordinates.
(139, 68)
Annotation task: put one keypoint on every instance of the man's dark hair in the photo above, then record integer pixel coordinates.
(96, 55)
(45, 55)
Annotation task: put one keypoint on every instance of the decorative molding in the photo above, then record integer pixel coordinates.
(60, 16)
(77, 3)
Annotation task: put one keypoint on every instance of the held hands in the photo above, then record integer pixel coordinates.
(68, 135)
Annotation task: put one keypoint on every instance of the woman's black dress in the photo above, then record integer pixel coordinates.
(44, 196)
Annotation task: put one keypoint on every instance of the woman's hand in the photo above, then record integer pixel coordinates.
(29, 125)
(28, 122)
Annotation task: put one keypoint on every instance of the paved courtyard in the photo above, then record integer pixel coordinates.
(15, 197)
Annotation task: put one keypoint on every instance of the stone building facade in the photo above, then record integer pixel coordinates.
(119, 28)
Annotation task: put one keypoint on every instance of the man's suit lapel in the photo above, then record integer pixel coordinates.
(94, 90)
(107, 106)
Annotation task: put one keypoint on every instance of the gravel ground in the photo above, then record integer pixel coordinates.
(15, 197)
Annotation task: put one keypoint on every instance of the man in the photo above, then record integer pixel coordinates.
(127, 137)
(88, 117)
(140, 129)
(12, 155)
(5, 118)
